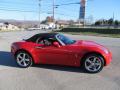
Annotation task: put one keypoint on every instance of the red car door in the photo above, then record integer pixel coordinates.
(55, 55)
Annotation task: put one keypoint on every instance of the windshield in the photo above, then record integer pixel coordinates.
(65, 39)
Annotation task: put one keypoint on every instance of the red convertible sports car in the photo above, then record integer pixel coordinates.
(57, 49)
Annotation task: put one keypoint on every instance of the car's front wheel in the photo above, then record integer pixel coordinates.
(23, 59)
(93, 63)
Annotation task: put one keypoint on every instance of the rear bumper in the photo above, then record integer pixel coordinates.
(13, 50)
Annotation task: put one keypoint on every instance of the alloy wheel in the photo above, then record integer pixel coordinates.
(23, 59)
(93, 63)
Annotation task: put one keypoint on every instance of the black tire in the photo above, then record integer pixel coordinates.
(100, 63)
(29, 59)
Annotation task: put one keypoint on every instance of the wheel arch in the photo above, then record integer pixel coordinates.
(24, 51)
(97, 53)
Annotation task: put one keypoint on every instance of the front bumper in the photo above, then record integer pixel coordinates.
(108, 58)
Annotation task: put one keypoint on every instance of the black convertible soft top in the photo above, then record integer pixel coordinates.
(42, 35)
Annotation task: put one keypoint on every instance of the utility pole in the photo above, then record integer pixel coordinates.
(39, 13)
(24, 26)
(113, 16)
(53, 13)
(53, 10)
(113, 19)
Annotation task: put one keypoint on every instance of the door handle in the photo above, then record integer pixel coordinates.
(38, 47)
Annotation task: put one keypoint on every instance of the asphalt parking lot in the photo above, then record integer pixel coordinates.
(50, 77)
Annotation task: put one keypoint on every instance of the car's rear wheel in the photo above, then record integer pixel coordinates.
(93, 63)
(23, 59)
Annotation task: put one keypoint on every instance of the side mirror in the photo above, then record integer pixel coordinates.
(56, 44)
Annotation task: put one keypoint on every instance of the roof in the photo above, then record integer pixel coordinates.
(47, 34)
(43, 35)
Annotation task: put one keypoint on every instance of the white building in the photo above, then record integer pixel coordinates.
(51, 25)
(5, 27)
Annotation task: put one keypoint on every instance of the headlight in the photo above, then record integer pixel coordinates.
(105, 50)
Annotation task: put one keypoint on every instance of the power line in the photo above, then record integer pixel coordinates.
(32, 11)
(73, 3)
(61, 14)
(23, 4)
(16, 10)
(49, 12)
(20, 3)
(64, 15)
(68, 4)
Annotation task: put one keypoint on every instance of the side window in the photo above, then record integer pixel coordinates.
(52, 40)
(43, 41)
(47, 42)
(39, 40)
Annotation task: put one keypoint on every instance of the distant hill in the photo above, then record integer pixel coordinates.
(21, 23)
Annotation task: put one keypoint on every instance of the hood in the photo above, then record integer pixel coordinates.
(87, 43)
